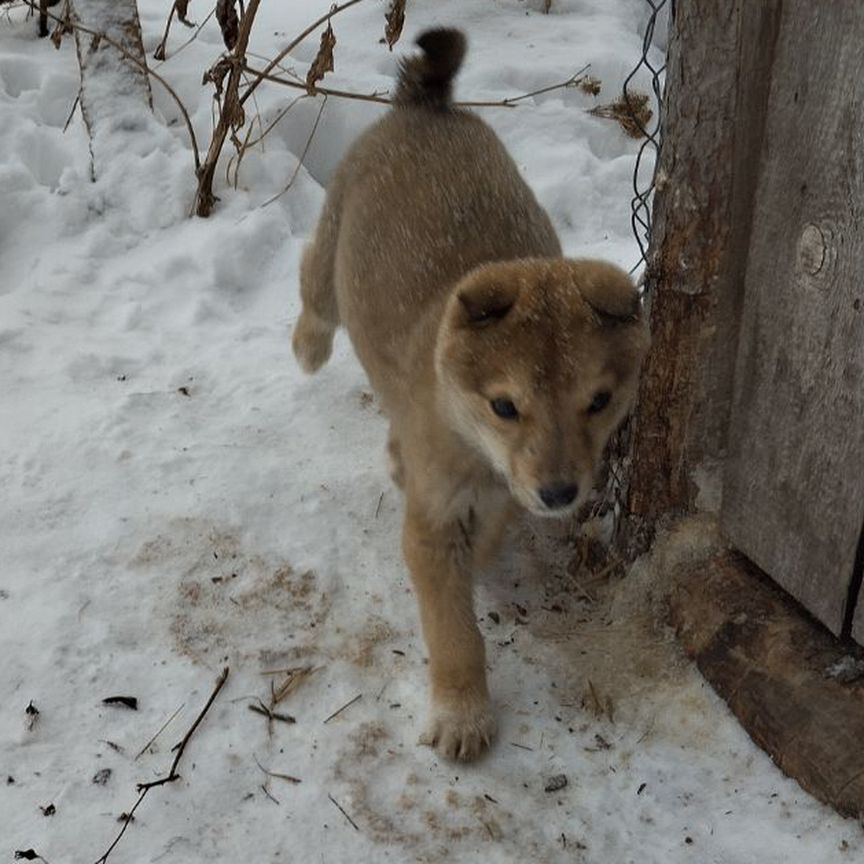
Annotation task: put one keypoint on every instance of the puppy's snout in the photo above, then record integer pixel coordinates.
(558, 495)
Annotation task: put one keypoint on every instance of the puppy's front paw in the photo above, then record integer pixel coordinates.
(461, 728)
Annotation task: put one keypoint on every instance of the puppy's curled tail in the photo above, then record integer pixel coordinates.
(426, 80)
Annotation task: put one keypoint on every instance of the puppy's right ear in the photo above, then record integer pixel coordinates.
(484, 301)
(609, 291)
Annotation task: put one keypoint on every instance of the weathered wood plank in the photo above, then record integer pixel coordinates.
(115, 89)
(718, 68)
(795, 689)
(793, 497)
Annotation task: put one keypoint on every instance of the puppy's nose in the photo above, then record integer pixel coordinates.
(557, 495)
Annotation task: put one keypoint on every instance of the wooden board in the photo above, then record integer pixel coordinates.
(796, 690)
(115, 89)
(793, 496)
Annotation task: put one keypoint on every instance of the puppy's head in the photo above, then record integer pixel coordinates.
(538, 362)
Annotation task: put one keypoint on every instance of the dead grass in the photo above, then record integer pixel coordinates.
(632, 111)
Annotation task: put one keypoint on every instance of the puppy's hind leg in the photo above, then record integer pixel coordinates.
(313, 335)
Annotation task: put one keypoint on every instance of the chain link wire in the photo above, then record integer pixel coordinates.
(643, 192)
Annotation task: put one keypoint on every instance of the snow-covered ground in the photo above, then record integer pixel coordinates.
(177, 497)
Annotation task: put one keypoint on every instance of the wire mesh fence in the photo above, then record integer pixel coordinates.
(643, 188)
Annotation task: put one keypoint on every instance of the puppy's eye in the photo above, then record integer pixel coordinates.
(599, 402)
(505, 409)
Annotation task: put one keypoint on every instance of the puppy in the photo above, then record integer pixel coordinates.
(503, 367)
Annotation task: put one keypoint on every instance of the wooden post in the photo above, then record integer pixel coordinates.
(719, 63)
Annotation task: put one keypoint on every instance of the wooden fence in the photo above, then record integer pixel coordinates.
(753, 399)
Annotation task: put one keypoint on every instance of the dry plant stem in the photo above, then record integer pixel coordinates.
(277, 118)
(102, 37)
(287, 777)
(294, 678)
(286, 69)
(334, 10)
(270, 714)
(509, 102)
(194, 36)
(144, 788)
(71, 113)
(322, 91)
(231, 105)
(181, 747)
(159, 53)
(343, 812)
(243, 146)
(266, 791)
(162, 728)
(300, 161)
(347, 705)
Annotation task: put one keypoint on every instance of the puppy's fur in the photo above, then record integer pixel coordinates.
(436, 257)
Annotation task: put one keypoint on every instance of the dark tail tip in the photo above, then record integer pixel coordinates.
(427, 78)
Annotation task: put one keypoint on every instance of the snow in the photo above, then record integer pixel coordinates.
(153, 534)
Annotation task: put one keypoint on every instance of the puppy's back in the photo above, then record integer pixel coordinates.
(424, 196)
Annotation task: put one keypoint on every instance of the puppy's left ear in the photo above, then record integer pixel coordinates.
(610, 292)
(486, 297)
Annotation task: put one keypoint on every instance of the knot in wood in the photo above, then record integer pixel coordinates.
(811, 249)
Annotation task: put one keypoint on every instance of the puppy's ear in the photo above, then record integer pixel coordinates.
(610, 292)
(484, 301)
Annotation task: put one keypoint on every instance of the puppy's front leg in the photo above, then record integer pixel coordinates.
(440, 560)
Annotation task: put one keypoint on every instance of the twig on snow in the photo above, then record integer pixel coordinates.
(347, 705)
(294, 678)
(276, 774)
(342, 811)
(266, 791)
(261, 708)
(144, 788)
(162, 728)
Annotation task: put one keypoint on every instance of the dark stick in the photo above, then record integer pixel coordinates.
(286, 777)
(159, 53)
(338, 711)
(172, 774)
(342, 811)
(267, 793)
(272, 715)
(144, 788)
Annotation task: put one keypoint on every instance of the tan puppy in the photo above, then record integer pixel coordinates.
(502, 367)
